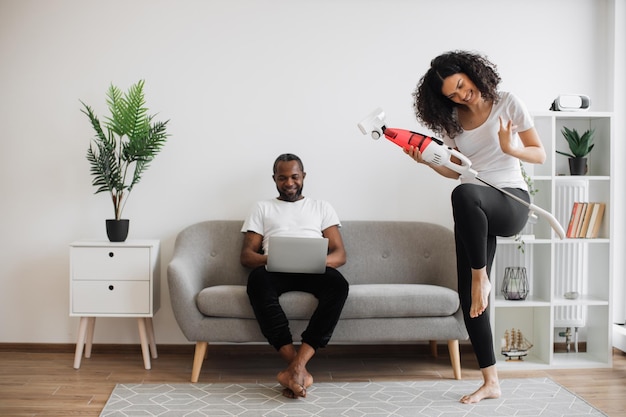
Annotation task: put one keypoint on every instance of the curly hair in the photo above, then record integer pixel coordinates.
(435, 110)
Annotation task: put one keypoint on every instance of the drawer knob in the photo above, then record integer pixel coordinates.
(111, 254)
(111, 287)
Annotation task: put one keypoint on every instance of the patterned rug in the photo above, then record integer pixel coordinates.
(520, 397)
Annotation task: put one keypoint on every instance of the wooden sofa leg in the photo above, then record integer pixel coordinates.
(455, 357)
(433, 348)
(198, 358)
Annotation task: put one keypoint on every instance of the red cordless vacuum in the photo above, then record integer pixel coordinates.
(435, 152)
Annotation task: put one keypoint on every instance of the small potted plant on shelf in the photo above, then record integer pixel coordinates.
(580, 146)
(532, 190)
(122, 149)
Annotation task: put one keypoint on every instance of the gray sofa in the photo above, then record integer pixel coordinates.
(402, 279)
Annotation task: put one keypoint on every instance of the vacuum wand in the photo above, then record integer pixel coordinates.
(435, 152)
(554, 223)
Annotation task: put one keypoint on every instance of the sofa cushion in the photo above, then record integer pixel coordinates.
(364, 301)
(399, 300)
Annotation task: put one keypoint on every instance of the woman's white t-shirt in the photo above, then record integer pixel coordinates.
(482, 145)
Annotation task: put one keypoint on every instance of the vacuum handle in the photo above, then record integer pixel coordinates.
(436, 153)
(556, 226)
(465, 168)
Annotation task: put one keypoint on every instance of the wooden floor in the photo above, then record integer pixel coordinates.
(38, 380)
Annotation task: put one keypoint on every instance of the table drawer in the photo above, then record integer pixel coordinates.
(110, 297)
(113, 263)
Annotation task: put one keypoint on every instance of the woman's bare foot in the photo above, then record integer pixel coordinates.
(490, 390)
(481, 287)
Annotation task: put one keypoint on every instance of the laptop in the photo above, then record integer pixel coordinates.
(305, 255)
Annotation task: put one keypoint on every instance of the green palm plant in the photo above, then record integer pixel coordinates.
(124, 145)
(580, 146)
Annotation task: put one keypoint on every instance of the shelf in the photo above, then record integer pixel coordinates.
(544, 241)
(578, 360)
(555, 266)
(575, 240)
(530, 301)
(528, 362)
(582, 178)
(584, 300)
(528, 241)
(572, 115)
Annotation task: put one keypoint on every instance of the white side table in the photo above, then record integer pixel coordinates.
(110, 279)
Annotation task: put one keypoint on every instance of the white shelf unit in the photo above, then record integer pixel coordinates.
(555, 266)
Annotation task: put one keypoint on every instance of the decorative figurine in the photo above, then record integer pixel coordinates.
(515, 345)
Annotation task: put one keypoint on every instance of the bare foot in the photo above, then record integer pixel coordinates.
(486, 391)
(289, 393)
(308, 380)
(481, 287)
(295, 383)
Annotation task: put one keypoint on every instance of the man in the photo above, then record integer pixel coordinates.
(293, 214)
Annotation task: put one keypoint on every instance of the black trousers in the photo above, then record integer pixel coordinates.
(480, 214)
(264, 289)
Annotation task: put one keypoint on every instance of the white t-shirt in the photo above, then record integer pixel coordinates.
(482, 146)
(303, 218)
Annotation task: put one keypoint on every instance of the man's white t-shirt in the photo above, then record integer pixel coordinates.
(482, 146)
(303, 218)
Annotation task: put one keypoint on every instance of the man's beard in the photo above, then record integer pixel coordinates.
(291, 197)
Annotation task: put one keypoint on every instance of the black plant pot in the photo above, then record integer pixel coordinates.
(117, 230)
(578, 166)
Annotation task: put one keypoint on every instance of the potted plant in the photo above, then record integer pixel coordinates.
(122, 149)
(580, 146)
(532, 190)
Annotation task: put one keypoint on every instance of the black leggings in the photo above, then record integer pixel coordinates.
(480, 214)
(264, 289)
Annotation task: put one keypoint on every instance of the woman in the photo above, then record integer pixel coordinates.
(458, 99)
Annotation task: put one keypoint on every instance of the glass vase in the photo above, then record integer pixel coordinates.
(515, 283)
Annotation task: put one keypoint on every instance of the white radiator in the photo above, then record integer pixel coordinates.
(569, 258)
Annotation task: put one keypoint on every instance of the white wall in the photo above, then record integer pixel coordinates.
(241, 81)
(619, 207)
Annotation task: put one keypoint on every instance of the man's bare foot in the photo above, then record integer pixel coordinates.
(290, 394)
(484, 392)
(295, 384)
(481, 287)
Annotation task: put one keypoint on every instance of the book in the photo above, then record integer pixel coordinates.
(596, 220)
(592, 220)
(572, 220)
(579, 223)
(584, 224)
(577, 211)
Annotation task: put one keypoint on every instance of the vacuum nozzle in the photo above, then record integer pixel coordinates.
(373, 124)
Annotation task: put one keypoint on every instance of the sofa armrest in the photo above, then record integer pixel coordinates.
(185, 281)
(205, 254)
